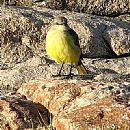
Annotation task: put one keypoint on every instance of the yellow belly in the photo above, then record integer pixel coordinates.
(61, 48)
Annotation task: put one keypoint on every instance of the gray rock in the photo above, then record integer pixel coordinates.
(24, 30)
(96, 7)
(85, 100)
(34, 69)
(102, 7)
(18, 2)
(23, 46)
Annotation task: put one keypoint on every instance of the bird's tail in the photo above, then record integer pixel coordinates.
(81, 68)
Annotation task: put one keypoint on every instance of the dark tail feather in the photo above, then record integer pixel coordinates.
(81, 68)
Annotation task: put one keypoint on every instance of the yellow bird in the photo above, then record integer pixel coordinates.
(62, 45)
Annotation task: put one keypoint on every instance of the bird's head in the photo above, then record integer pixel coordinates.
(60, 21)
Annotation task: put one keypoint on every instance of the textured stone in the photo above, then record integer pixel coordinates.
(125, 17)
(102, 7)
(96, 7)
(24, 30)
(34, 68)
(119, 39)
(23, 34)
(18, 2)
(109, 66)
(103, 100)
(78, 104)
(16, 113)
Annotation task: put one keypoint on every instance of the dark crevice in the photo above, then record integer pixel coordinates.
(107, 45)
(113, 54)
(64, 5)
(117, 15)
(111, 15)
(109, 48)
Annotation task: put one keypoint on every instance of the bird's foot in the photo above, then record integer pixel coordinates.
(68, 76)
(56, 75)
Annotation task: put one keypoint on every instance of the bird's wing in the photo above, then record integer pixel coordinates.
(74, 35)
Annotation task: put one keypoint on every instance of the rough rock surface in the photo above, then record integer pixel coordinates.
(34, 68)
(16, 113)
(103, 101)
(24, 30)
(78, 104)
(19, 2)
(97, 7)
(102, 7)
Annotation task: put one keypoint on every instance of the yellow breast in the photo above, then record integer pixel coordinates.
(60, 46)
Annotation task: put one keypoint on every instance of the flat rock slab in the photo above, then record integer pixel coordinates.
(82, 104)
(16, 113)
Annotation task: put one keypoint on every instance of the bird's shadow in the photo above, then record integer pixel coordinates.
(49, 61)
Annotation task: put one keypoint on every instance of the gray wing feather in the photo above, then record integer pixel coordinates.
(75, 37)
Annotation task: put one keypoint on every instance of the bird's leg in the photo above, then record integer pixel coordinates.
(71, 66)
(70, 74)
(60, 69)
(59, 73)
